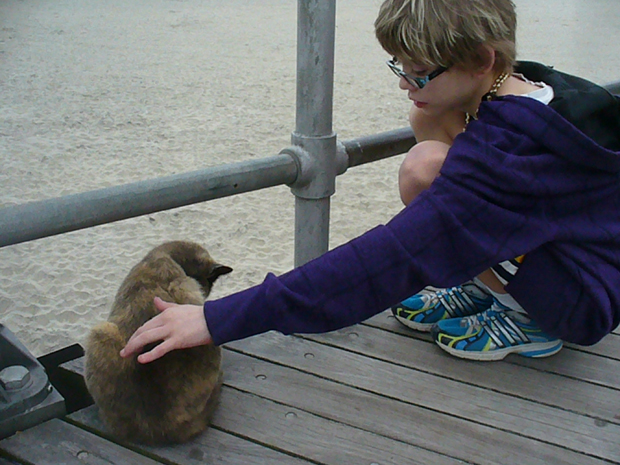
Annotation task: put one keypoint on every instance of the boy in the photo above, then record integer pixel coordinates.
(514, 184)
(502, 325)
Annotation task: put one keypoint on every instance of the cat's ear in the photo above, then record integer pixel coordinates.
(216, 271)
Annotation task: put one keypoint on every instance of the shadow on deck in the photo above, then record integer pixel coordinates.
(375, 393)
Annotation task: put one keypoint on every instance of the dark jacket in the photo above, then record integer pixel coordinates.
(521, 180)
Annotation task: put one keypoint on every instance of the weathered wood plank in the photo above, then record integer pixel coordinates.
(57, 442)
(316, 438)
(287, 429)
(442, 394)
(511, 378)
(212, 446)
(609, 347)
(578, 364)
(412, 424)
(571, 422)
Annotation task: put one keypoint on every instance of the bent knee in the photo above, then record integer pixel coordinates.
(420, 168)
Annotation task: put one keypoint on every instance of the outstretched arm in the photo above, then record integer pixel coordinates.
(177, 327)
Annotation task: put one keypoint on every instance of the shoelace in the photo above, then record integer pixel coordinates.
(475, 321)
(454, 298)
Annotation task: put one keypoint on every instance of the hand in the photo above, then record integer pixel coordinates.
(177, 326)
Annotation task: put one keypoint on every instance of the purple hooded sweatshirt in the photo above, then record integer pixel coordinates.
(520, 180)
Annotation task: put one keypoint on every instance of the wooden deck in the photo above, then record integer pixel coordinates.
(375, 393)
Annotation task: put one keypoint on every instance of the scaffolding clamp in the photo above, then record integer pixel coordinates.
(318, 163)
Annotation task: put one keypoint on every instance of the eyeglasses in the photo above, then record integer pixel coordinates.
(419, 82)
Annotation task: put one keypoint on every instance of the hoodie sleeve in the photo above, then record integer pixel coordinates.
(488, 205)
(449, 234)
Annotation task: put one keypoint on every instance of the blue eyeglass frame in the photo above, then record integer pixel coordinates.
(419, 82)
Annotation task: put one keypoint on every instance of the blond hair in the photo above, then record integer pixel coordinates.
(449, 32)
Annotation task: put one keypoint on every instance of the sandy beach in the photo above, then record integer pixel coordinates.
(100, 93)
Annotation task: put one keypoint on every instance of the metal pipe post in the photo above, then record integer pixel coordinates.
(316, 25)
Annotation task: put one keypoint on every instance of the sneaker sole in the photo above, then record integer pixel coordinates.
(538, 350)
(424, 327)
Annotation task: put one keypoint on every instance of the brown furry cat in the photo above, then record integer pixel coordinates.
(171, 399)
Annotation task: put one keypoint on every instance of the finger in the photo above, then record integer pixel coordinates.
(151, 324)
(157, 352)
(137, 342)
(162, 305)
(155, 322)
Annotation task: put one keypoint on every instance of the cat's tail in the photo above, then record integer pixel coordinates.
(104, 367)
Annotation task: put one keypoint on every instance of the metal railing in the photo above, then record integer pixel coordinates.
(35, 220)
(309, 167)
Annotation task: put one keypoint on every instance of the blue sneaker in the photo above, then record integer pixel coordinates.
(423, 310)
(493, 334)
